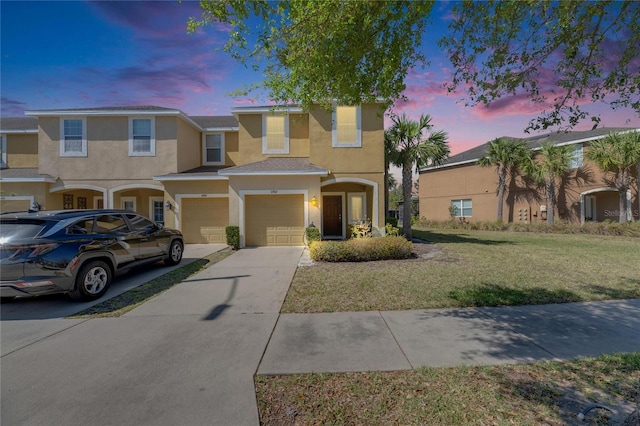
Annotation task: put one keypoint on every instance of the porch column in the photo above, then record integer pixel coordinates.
(582, 214)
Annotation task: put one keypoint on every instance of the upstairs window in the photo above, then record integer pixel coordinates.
(73, 137)
(347, 128)
(275, 134)
(142, 138)
(213, 149)
(576, 156)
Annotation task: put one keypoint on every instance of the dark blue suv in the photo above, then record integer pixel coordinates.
(78, 251)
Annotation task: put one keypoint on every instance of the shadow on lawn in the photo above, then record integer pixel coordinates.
(436, 237)
(488, 294)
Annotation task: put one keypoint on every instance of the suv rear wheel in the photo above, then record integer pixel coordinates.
(93, 281)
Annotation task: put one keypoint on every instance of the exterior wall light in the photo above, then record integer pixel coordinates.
(314, 201)
(168, 205)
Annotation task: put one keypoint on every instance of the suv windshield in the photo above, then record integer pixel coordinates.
(19, 229)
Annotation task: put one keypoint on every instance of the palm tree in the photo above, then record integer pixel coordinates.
(413, 144)
(619, 155)
(507, 155)
(551, 163)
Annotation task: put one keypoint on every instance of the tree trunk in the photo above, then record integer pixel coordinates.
(502, 179)
(407, 184)
(622, 205)
(551, 199)
(386, 192)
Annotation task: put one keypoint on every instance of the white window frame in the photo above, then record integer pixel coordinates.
(577, 156)
(125, 199)
(350, 197)
(460, 205)
(285, 150)
(153, 200)
(204, 150)
(3, 148)
(334, 129)
(83, 151)
(152, 144)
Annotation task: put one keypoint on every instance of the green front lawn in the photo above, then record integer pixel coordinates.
(476, 268)
(547, 393)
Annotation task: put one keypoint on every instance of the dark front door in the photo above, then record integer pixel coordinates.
(332, 215)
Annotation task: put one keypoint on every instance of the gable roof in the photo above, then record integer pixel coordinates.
(18, 125)
(276, 166)
(215, 122)
(535, 142)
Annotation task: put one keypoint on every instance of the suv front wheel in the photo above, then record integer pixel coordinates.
(175, 253)
(93, 281)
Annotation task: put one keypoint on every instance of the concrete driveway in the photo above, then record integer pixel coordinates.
(187, 357)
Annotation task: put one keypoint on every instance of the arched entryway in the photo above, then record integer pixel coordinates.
(145, 199)
(598, 205)
(346, 201)
(76, 196)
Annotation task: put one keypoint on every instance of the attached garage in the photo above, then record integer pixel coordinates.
(204, 220)
(14, 205)
(274, 220)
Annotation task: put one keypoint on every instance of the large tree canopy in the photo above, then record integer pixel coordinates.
(325, 50)
(559, 54)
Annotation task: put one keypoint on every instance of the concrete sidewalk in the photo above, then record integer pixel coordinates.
(382, 341)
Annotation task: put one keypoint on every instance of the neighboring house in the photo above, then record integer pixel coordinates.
(583, 195)
(270, 172)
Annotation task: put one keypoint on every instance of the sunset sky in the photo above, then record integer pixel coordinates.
(79, 54)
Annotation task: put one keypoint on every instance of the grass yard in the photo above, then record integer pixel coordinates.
(476, 268)
(549, 393)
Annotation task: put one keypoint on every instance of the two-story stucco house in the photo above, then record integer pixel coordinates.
(584, 194)
(272, 172)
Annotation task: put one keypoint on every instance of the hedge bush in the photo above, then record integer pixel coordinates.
(233, 236)
(629, 229)
(361, 249)
(313, 234)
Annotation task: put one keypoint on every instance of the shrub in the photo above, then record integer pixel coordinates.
(361, 229)
(391, 231)
(313, 234)
(233, 236)
(629, 229)
(393, 221)
(361, 249)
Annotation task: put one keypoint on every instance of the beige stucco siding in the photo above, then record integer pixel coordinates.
(365, 159)
(107, 150)
(249, 148)
(189, 146)
(22, 150)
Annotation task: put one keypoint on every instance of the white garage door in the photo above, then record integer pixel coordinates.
(274, 220)
(204, 220)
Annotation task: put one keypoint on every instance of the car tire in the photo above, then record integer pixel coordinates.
(92, 281)
(175, 253)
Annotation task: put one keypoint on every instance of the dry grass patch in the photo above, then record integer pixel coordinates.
(475, 268)
(549, 393)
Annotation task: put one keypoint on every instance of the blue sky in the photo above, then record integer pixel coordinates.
(76, 54)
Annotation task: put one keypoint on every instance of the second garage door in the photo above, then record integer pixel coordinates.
(274, 220)
(7, 206)
(204, 220)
